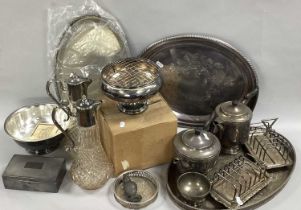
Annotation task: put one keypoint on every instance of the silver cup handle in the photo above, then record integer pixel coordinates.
(56, 100)
(51, 95)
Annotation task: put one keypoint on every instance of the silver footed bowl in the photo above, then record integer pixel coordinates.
(131, 82)
(194, 186)
(32, 128)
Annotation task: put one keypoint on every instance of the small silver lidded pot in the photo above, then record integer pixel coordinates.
(196, 149)
(131, 82)
(233, 119)
(76, 87)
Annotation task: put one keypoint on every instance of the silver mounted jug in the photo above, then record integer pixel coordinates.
(91, 167)
(233, 120)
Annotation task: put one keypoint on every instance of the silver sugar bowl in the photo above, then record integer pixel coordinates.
(196, 150)
(131, 82)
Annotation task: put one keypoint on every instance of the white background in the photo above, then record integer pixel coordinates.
(268, 32)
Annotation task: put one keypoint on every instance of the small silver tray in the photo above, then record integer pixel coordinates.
(280, 177)
(147, 187)
(268, 146)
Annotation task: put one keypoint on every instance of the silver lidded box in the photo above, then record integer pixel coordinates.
(34, 173)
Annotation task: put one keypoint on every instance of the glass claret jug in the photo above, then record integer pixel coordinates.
(91, 167)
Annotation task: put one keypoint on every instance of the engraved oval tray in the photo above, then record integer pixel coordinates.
(280, 177)
(198, 73)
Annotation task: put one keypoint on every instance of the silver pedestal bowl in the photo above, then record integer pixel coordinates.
(131, 82)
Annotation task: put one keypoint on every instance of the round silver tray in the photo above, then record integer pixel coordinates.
(200, 72)
(279, 176)
(88, 44)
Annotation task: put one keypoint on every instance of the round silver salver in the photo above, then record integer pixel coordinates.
(89, 43)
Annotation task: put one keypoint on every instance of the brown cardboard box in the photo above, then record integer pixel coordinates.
(138, 141)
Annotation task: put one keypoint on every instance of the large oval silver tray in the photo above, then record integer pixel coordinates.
(280, 177)
(198, 73)
(88, 44)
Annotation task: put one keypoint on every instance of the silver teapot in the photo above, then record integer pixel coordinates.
(232, 122)
(197, 149)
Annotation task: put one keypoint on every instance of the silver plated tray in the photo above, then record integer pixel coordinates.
(279, 177)
(198, 73)
(88, 44)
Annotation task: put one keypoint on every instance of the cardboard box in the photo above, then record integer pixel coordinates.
(138, 141)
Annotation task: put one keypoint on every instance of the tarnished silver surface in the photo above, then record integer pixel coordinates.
(88, 44)
(278, 176)
(268, 146)
(234, 124)
(34, 173)
(147, 187)
(196, 150)
(194, 186)
(131, 82)
(238, 181)
(200, 72)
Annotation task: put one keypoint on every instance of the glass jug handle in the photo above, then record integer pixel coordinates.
(56, 123)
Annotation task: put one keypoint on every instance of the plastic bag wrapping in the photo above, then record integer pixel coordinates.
(82, 39)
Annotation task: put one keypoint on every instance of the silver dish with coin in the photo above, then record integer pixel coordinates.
(33, 129)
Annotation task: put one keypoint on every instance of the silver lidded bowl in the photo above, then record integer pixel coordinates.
(33, 129)
(131, 82)
(193, 186)
(196, 150)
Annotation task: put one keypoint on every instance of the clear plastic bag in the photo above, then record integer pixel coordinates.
(82, 39)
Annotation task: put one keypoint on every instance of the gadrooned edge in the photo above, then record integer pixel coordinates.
(208, 37)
